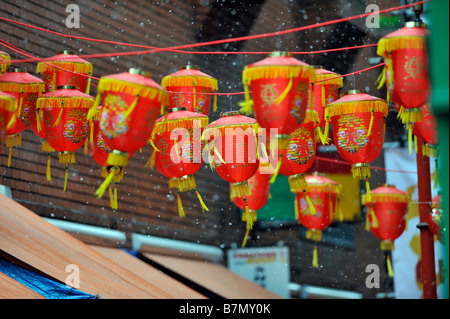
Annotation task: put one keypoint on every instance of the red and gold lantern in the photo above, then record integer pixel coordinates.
(406, 70)
(26, 88)
(65, 122)
(8, 104)
(279, 93)
(324, 91)
(5, 61)
(259, 185)
(100, 151)
(233, 152)
(65, 68)
(358, 123)
(177, 138)
(190, 88)
(324, 194)
(131, 104)
(386, 215)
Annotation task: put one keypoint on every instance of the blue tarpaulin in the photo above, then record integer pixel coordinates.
(46, 287)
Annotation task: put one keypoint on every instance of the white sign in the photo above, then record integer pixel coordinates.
(266, 266)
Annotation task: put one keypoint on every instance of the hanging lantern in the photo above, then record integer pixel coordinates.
(279, 93)
(65, 121)
(190, 88)
(259, 185)
(100, 152)
(406, 70)
(8, 104)
(65, 68)
(233, 152)
(177, 138)
(434, 219)
(26, 88)
(358, 123)
(5, 61)
(324, 91)
(426, 129)
(131, 104)
(386, 216)
(324, 194)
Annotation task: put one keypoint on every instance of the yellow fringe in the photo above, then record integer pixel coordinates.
(66, 157)
(277, 72)
(379, 106)
(62, 102)
(388, 44)
(361, 171)
(22, 87)
(78, 67)
(375, 198)
(116, 158)
(186, 183)
(240, 189)
(13, 140)
(202, 81)
(297, 183)
(186, 123)
(409, 115)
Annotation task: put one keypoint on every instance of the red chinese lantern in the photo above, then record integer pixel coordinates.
(131, 104)
(8, 104)
(65, 68)
(324, 194)
(190, 88)
(177, 138)
(232, 146)
(358, 123)
(386, 215)
(434, 219)
(100, 151)
(324, 91)
(426, 129)
(406, 69)
(5, 61)
(279, 93)
(259, 185)
(26, 88)
(65, 122)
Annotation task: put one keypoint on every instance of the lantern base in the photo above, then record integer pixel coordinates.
(13, 140)
(297, 182)
(66, 157)
(361, 170)
(240, 189)
(314, 234)
(46, 147)
(410, 115)
(117, 158)
(430, 150)
(173, 182)
(186, 183)
(252, 213)
(387, 245)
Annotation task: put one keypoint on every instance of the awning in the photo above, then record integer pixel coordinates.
(41, 246)
(211, 276)
(148, 273)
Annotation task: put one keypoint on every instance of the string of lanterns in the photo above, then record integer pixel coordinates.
(301, 102)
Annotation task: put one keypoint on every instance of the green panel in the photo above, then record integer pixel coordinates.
(281, 204)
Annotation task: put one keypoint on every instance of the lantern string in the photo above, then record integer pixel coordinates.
(221, 41)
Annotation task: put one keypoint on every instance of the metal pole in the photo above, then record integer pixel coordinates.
(426, 236)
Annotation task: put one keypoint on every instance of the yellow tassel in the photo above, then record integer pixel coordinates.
(296, 203)
(130, 108)
(88, 86)
(436, 174)
(277, 170)
(201, 201)
(280, 99)
(326, 133)
(66, 175)
(410, 134)
(339, 209)
(311, 97)
(367, 226)
(49, 175)
(381, 79)
(310, 204)
(115, 205)
(9, 156)
(180, 206)
(86, 147)
(38, 120)
(194, 98)
(11, 122)
(99, 193)
(19, 110)
(153, 145)
(59, 117)
(368, 196)
(247, 104)
(244, 242)
(389, 266)
(371, 123)
(324, 102)
(111, 196)
(249, 224)
(215, 103)
(415, 143)
(151, 161)
(91, 132)
(374, 218)
(315, 262)
(54, 79)
(330, 207)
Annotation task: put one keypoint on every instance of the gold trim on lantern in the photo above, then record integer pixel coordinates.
(22, 87)
(186, 183)
(185, 123)
(240, 189)
(297, 183)
(387, 245)
(190, 80)
(71, 66)
(385, 197)
(66, 157)
(360, 170)
(117, 158)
